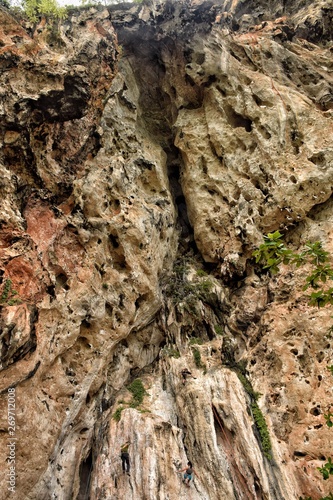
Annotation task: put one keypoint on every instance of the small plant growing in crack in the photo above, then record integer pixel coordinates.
(117, 414)
(197, 359)
(195, 341)
(240, 369)
(261, 425)
(136, 388)
(138, 392)
(8, 296)
(170, 351)
(218, 329)
(185, 291)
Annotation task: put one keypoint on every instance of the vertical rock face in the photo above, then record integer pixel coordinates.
(146, 150)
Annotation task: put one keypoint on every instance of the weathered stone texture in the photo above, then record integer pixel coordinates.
(146, 150)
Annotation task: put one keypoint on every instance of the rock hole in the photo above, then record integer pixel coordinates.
(141, 300)
(236, 120)
(318, 159)
(264, 132)
(83, 342)
(84, 475)
(257, 99)
(212, 79)
(221, 90)
(114, 240)
(315, 411)
(61, 280)
(200, 58)
(300, 454)
(108, 309)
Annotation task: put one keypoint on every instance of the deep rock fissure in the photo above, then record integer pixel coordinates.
(159, 113)
(85, 477)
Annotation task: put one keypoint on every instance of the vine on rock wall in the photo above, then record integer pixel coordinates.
(257, 415)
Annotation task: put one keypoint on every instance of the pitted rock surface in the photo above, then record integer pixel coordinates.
(146, 150)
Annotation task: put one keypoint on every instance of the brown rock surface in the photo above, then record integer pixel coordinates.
(135, 184)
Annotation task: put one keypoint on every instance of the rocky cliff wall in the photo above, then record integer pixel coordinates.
(146, 149)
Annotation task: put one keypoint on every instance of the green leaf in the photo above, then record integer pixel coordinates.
(328, 417)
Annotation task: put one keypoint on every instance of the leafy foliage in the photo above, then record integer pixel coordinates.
(9, 295)
(117, 414)
(327, 469)
(328, 417)
(33, 9)
(185, 291)
(218, 329)
(138, 392)
(257, 414)
(263, 430)
(248, 386)
(136, 388)
(170, 351)
(273, 252)
(197, 358)
(195, 341)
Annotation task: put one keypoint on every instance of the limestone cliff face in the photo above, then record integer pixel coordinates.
(146, 150)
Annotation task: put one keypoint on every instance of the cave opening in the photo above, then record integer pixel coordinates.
(85, 476)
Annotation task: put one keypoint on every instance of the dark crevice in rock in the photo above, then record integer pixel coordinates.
(10, 354)
(20, 158)
(225, 439)
(174, 166)
(158, 109)
(85, 476)
(62, 105)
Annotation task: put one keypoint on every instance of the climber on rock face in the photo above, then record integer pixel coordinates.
(125, 459)
(189, 472)
(185, 373)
